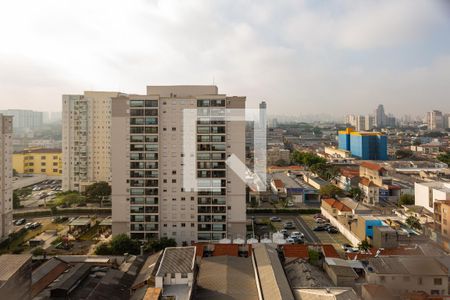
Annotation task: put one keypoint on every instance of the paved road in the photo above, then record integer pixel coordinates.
(310, 236)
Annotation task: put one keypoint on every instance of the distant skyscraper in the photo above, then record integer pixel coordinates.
(149, 199)
(263, 113)
(24, 119)
(364, 145)
(380, 116)
(6, 203)
(370, 122)
(360, 123)
(86, 135)
(435, 120)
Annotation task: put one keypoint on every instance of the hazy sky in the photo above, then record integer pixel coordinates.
(299, 56)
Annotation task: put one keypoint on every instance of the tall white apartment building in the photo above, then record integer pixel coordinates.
(435, 120)
(149, 199)
(427, 193)
(6, 203)
(86, 139)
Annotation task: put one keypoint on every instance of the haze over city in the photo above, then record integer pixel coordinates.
(311, 57)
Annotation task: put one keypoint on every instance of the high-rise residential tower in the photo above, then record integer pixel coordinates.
(6, 203)
(157, 146)
(435, 120)
(380, 116)
(25, 119)
(86, 134)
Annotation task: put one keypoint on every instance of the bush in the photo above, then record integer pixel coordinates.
(38, 251)
(103, 249)
(406, 199)
(158, 245)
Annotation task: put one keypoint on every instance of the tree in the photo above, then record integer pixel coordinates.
(98, 190)
(158, 245)
(406, 199)
(364, 245)
(314, 256)
(38, 251)
(307, 159)
(103, 249)
(281, 163)
(413, 222)
(401, 154)
(16, 200)
(356, 193)
(122, 243)
(330, 191)
(445, 158)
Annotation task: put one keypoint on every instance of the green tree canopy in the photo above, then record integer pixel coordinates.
(158, 245)
(406, 199)
(330, 191)
(98, 190)
(364, 245)
(307, 159)
(356, 193)
(413, 222)
(445, 158)
(122, 243)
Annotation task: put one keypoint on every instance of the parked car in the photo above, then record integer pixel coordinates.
(19, 222)
(289, 225)
(290, 204)
(275, 219)
(332, 229)
(320, 228)
(28, 225)
(297, 234)
(321, 221)
(349, 248)
(318, 216)
(297, 240)
(35, 225)
(290, 241)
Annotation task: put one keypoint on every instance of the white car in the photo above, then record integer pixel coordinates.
(290, 241)
(297, 234)
(290, 204)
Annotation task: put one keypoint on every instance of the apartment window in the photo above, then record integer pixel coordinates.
(55, 157)
(174, 181)
(183, 198)
(174, 225)
(43, 164)
(183, 224)
(174, 128)
(164, 225)
(55, 164)
(192, 198)
(184, 275)
(42, 170)
(174, 172)
(164, 180)
(419, 281)
(192, 225)
(437, 281)
(55, 170)
(42, 157)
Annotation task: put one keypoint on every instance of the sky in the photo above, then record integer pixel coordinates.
(300, 56)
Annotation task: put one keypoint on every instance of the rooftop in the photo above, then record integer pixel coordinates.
(336, 204)
(325, 293)
(371, 166)
(177, 260)
(80, 221)
(413, 265)
(10, 264)
(226, 277)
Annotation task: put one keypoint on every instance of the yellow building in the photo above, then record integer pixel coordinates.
(38, 161)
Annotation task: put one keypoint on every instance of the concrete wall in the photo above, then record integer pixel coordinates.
(353, 239)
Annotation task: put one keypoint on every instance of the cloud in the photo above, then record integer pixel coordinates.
(300, 56)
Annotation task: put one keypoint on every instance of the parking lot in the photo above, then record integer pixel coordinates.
(39, 194)
(335, 239)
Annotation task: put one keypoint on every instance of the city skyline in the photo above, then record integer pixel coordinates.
(395, 53)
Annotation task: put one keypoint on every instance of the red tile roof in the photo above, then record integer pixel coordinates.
(278, 183)
(385, 252)
(349, 172)
(366, 181)
(371, 166)
(337, 204)
(329, 251)
(298, 251)
(226, 249)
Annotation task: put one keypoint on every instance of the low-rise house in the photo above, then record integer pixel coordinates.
(176, 272)
(335, 207)
(405, 274)
(348, 178)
